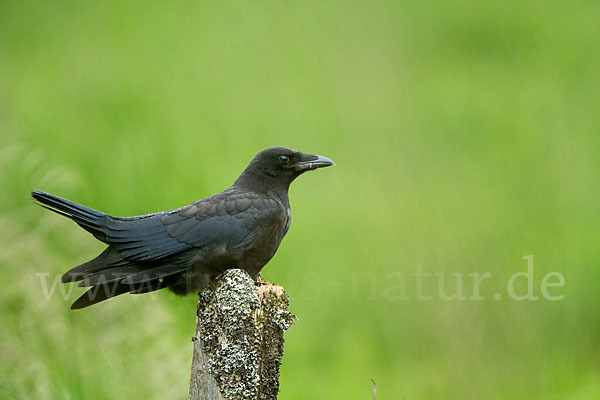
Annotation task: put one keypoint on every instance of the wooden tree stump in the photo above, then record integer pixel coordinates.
(238, 343)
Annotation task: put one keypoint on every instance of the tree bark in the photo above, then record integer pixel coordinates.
(238, 343)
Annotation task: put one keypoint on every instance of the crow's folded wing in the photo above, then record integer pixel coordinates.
(232, 220)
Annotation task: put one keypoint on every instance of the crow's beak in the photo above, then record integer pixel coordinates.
(312, 161)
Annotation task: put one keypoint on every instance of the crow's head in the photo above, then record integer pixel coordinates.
(280, 165)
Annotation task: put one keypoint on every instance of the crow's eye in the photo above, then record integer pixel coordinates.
(284, 159)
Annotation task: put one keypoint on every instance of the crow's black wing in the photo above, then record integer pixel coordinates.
(227, 218)
(230, 219)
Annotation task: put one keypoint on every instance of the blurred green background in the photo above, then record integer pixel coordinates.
(466, 135)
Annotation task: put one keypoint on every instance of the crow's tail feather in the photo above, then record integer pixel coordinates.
(108, 259)
(100, 293)
(108, 290)
(89, 219)
(111, 273)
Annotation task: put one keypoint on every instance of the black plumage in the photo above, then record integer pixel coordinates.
(183, 249)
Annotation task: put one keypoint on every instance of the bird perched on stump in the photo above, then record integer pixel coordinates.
(183, 249)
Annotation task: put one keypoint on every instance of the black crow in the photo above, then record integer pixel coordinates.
(183, 249)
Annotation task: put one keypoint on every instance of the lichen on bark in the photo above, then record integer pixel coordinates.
(240, 335)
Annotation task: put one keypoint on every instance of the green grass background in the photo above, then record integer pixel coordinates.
(466, 135)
